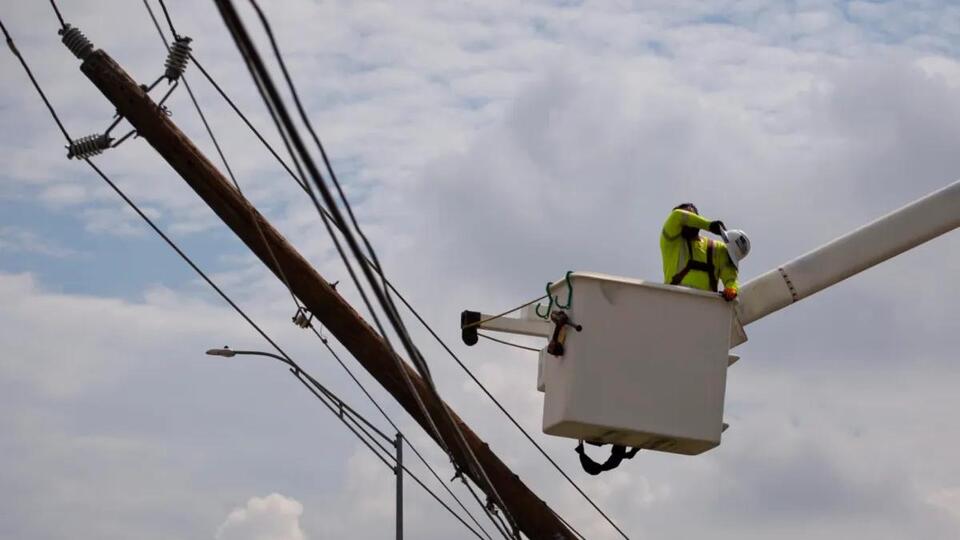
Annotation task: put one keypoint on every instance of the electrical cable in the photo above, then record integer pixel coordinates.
(169, 20)
(504, 342)
(269, 93)
(299, 307)
(299, 180)
(513, 420)
(392, 423)
(386, 303)
(59, 16)
(259, 71)
(263, 238)
(274, 112)
(494, 516)
(413, 310)
(43, 96)
(289, 134)
(223, 158)
(203, 275)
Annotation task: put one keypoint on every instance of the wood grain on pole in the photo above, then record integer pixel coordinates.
(533, 516)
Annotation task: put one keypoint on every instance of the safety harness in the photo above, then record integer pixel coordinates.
(707, 267)
(617, 454)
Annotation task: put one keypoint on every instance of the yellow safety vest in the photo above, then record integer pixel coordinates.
(698, 263)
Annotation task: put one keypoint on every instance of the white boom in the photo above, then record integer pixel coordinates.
(898, 231)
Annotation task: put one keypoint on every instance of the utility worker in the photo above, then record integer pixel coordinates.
(693, 261)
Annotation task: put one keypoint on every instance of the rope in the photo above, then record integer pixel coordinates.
(505, 313)
(491, 338)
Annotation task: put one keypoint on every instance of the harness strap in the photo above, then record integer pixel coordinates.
(707, 267)
(617, 454)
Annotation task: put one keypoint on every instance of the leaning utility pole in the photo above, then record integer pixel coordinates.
(533, 517)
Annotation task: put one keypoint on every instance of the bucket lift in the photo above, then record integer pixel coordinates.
(642, 364)
(629, 362)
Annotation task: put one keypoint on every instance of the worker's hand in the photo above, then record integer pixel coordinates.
(729, 294)
(716, 227)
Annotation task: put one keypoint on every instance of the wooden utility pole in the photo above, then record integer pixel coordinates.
(533, 517)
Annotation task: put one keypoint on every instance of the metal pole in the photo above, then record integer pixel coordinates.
(399, 472)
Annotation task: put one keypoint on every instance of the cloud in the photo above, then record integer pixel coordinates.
(19, 240)
(273, 517)
(948, 499)
(65, 345)
(488, 148)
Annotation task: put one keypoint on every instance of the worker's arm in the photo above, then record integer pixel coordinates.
(678, 219)
(728, 275)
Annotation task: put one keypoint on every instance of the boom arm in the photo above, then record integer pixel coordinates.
(852, 253)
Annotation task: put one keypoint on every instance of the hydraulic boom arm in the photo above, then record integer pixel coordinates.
(852, 253)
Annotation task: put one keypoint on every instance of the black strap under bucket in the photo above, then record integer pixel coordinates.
(617, 454)
(697, 265)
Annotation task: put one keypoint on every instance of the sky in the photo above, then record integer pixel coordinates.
(486, 147)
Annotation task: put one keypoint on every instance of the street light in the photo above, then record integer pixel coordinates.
(397, 442)
(227, 352)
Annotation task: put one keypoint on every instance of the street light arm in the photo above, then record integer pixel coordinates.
(227, 352)
(271, 355)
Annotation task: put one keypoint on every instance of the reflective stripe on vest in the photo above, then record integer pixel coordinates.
(697, 265)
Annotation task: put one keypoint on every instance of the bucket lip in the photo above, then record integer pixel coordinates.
(599, 276)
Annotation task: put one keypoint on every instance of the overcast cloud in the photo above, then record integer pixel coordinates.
(487, 147)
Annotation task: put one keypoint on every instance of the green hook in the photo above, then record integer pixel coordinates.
(569, 292)
(549, 306)
(556, 301)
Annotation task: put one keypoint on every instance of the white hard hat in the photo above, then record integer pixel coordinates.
(738, 245)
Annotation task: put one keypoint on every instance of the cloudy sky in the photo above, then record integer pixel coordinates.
(487, 147)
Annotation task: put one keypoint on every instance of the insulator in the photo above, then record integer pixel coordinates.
(177, 58)
(301, 319)
(89, 146)
(78, 43)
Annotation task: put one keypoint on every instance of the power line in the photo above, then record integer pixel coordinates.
(216, 145)
(43, 96)
(392, 423)
(392, 288)
(410, 307)
(279, 269)
(262, 77)
(296, 369)
(57, 11)
(291, 137)
(271, 96)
